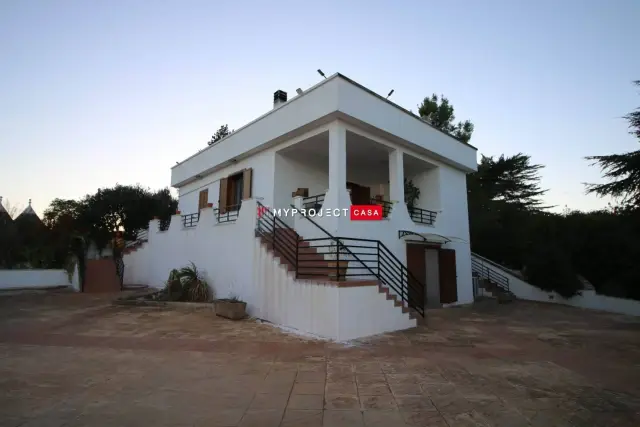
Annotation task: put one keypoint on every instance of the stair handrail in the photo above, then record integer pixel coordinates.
(403, 268)
(276, 221)
(493, 263)
(338, 243)
(499, 279)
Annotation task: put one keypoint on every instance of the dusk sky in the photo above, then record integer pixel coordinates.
(94, 93)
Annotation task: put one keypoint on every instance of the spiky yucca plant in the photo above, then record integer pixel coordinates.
(194, 287)
(173, 287)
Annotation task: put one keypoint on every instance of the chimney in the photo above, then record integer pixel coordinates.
(279, 98)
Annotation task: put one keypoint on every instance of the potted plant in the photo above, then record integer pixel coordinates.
(411, 194)
(338, 262)
(231, 308)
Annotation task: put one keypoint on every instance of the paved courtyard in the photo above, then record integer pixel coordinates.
(76, 360)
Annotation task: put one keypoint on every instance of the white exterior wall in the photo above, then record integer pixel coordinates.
(262, 185)
(221, 251)
(292, 174)
(588, 298)
(136, 268)
(430, 186)
(250, 272)
(368, 108)
(35, 279)
(320, 104)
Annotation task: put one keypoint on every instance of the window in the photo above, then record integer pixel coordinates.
(234, 189)
(236, 183)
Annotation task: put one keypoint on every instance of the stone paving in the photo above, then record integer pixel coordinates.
(76, 360)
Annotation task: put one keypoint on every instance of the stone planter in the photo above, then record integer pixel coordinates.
(234, 310)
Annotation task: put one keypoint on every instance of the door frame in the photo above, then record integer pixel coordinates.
(449, 294)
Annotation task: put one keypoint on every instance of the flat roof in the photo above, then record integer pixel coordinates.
(322, 82)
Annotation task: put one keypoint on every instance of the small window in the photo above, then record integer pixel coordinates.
(236, 184)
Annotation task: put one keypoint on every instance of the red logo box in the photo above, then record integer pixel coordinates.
(366, 212)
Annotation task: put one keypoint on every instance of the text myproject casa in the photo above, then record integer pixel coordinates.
(353, 212)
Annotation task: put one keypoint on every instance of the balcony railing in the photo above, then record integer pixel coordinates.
(422, 216)
(228, 214)
(313, 202)
(190, 220)
(164, 224)
(387, 207)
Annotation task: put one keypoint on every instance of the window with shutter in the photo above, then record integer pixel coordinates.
(247, 180)
(224, 186)
(203, 199)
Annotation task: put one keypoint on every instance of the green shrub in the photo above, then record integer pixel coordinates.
(549, 269)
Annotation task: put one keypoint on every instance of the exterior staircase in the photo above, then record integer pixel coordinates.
(489, 282)
(304, 262)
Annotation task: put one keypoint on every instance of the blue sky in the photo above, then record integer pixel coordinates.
(98, 93)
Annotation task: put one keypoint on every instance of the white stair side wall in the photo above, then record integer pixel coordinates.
(365, 311)
(301, 305)
(588, 298)
(322, 310)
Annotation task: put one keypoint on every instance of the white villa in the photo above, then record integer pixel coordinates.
(331, 146)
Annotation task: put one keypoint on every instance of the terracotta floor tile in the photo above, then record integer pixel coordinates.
(385, 402)
(77, 360)
(340, 377)
(306, 401)
(308, 388)
(302, 418)
(280, 376)
(312, 367)
(338, 402)
(269, 401)
(277, 387)
(261, 419)
(440, 389)
(377, 378)
(311, 377)
(342, 419)
(419, 403)
(342, 388)
(383, 419)
(406, 389)
(424, 419)
(367, 368)
(374, 390)
(404, 379)
(467, 419)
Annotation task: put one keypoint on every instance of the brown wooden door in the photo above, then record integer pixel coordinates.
(359, 195)
(417, 266)
(448, 276)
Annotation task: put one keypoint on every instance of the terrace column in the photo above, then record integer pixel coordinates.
(337, 196)
(396, 185)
